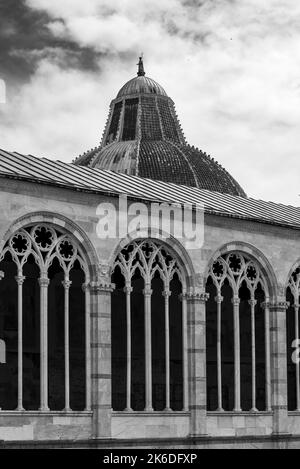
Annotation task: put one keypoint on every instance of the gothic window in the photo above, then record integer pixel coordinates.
(148, 330)
(292, 337)
(42, 322)
(237, 337)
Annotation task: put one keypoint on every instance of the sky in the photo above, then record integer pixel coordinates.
(232, 67)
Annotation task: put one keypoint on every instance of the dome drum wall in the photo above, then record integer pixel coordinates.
(157, 121)
(143, 137)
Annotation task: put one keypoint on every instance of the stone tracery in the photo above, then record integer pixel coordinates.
(292, 321)
(238, 291)
(43, 257)
(150, 271)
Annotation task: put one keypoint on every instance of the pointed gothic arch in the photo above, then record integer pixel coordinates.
(293, 337)
(237, 331)
(45, 324)
(149, 337)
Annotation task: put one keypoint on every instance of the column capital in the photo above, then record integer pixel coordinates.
(147, 291)
(20, 279)
(196, 295)
(102, 286)
(277, 305)
(128, 289)
(66, 284)
(166, 293)
(44, 281)
(252, 302)
(219, 299)
(235, 301)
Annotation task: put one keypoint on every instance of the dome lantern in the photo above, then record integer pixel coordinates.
(143, 137)
(141, 71)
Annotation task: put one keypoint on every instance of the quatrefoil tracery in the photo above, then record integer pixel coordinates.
(45, 243)
(236, 268)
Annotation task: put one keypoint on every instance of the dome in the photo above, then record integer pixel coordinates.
(167, 162)
(143, 137)
(141, 85)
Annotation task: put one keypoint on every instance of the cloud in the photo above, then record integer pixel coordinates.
(232, 68)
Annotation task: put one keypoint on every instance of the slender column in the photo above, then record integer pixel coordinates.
(128, 290)
(166, 295)
(148, 350)
(237, 365)
(20, 280)
(66, 284)
(267, 356)
(219, 300)
(44, 282)
(296, 307)
(86, 289)
(184, 353)
(252, 303)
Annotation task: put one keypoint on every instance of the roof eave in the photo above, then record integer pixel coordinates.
(208, 210)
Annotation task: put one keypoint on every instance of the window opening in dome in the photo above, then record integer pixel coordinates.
(130, 118)
(114, 125)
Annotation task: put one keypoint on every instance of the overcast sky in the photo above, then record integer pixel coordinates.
(232, 68)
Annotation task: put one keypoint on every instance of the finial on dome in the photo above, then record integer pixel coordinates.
(141, 71)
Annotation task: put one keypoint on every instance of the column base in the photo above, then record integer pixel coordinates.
(148, 409)
(168, 409)
(20, 409)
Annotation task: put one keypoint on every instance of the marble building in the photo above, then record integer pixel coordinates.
(145, 341)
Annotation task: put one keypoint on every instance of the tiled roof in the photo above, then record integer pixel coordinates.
(42, 170)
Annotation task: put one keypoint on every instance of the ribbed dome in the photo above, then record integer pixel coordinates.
(143, 137)
(165, 161)
(140, 85)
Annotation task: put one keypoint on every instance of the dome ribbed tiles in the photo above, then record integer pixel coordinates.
(167, 162)
(143, 137)
(141, 85)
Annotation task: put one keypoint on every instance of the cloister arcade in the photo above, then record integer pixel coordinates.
(45, 328)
